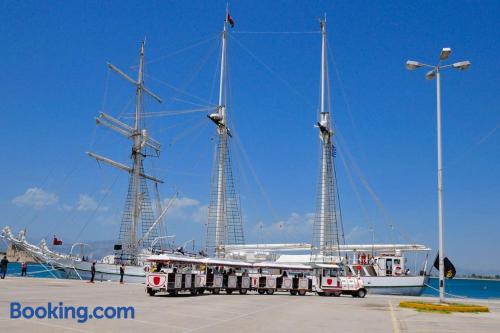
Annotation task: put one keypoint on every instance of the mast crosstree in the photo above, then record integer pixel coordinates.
(225, 225)
(325, 230)
(138, 215)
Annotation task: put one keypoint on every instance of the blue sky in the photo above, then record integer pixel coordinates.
(55, 82)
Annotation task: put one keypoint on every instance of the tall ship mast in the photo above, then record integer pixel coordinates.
(225, 225)
(325, 230)
(139, 227)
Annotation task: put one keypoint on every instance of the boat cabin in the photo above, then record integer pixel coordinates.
(381, 265)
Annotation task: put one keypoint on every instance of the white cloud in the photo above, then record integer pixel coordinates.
(184, 202)
(113, 219)
(35, 197)
(296, 227)
(201, 214)
(105, 191)
(359, 235)
(66, 208)
(186, 209)
(87, 203)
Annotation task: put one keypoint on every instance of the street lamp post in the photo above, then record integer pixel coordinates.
(435, 72)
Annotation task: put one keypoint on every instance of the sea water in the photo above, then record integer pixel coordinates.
(470, 288)
(34, 270)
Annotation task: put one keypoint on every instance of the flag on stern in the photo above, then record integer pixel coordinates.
(230, 20)
(56, 241)
(449, 269)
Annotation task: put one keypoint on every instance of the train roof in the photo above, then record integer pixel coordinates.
(296, 267)
(197, 260)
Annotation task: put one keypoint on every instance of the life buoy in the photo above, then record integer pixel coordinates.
(397, 270)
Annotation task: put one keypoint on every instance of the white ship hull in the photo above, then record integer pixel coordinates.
(104, 272)
(395, 285)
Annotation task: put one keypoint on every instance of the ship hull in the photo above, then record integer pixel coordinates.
(395, 285)
(104, 272)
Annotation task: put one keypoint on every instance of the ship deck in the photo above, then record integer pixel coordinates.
(228, 313)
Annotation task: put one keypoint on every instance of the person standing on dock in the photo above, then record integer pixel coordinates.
(3, 267)
(122, 272)
(92, 272)
(24, 269)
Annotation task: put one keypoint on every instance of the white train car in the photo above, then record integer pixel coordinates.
(329, 280)
(272, 277)
(229, 275)
(173, 274)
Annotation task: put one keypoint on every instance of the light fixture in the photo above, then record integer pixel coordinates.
(430, 74)
(412, 65)
(445, 53)
(462, 65)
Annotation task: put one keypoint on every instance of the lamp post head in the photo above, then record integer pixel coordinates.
(430, 74)
(445, 53)
(462, 65)
(412, 65)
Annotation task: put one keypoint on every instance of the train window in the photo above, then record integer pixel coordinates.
(333, 272)
(330, 272)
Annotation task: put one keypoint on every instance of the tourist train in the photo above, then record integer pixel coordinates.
(174, 274)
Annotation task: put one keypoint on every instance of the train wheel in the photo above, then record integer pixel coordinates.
(270, 291)
(229, 291)
(293, 292)
(173, 293)
(302, 292)
(321, 294)
(201, 291)
(361, 293)
(193, 291)
(243, 291)
(261, 291)
(151, 292)
(337, 293)
(216, 291)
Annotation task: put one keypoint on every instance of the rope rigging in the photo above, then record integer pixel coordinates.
(276, 32)
(272, 72)
(184, 49)
(387, 218)
(170, 113)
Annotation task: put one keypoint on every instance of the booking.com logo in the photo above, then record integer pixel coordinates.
(79, 313)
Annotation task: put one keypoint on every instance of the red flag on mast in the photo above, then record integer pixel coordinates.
(57, 241)
(230, 20)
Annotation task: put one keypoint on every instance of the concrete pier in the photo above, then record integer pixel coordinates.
(228, 313)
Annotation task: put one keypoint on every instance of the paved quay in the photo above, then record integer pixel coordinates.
(228, 313)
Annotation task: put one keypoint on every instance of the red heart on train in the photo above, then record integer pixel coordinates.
(157, 280)
(329, 281)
